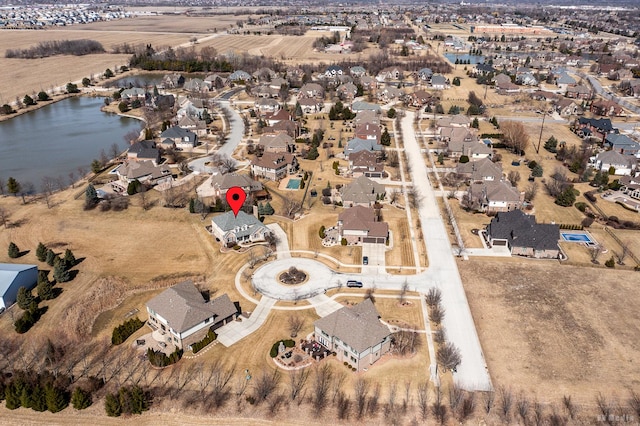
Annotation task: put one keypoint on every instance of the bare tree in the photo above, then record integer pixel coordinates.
(415, 199)
(144, 198)
(595, 253)
(423, 399)
(513, 177)
(47, 185)
(221, 382)
(372, 403)
(337, 383)
(115, 150)
(130, 137)
(515, 136)
(456, 395)
(569, 406)
(72, 179)
(438, 409)
(295, 323)
(436, 314)
(361, 389)
(2, 186)
(522, 406)
(624, 252)
(265, 385)
(468, 406)
(290, 206)
(60, 183)
(538, 413)
(297, 381)
(489, 399)
(82, 171)
(433, 296)
(605, 407)
(321, 384)
(4, 216)
(406, 342)
(343, 405)
(530, 191)
(634, 403)
(403, 291)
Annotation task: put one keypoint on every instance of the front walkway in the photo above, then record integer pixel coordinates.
(237, 330)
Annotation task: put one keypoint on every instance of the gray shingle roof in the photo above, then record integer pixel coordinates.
(358, 326)
(521, 230)
(228, 221)
(184, 307)
(362, 191)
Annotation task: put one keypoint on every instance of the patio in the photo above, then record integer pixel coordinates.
(314, 349)
(156, 340)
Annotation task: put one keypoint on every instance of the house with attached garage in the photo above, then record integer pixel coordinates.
(184, 317)
(144, 150)
(365, 163)
(355, 334)
(143, 171)
(362, 192)
(523, 236)
(274, 166)
(230, 229)
(182, 138)
(358, 224)
(623, 165)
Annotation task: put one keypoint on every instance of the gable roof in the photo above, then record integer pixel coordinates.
(228, 221)
(144, 149)
(602, 124)
(363, 219)
(521, 230)
(480, 169)
(184, 307)
(277, 140)
(9, 272)
(615, 158)
(358, 326)
(140, 169)
(357, 144)
(362, 190)
(178, 132)
(226, 181)
(274, 160)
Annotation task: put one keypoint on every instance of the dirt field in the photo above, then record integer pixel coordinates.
(165, 23)
(553, 330)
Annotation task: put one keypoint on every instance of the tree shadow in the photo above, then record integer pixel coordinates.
(24, 252)
(79, 261)
(72, 274)
(56, 291)
(17, 223)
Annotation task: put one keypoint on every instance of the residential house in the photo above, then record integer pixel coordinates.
(623, 165)
(622, 144)
(630, 186)
(389, 93)
(196, 85)
(144, 150)
(492, 196)
(593, 127)
(564, 80)
(358, 224)
(191, 107)
(278, 116)
(356, 145)
(419, 98)
(358, 106)
(567, 107)
(480, 170)
(362, 191)
(143, 171)
(215, 81)
(368, 83)
(265, 74)
(425, 74)
(265, 91)
(333, 71)
(135, 93)
(172, 81)
(523, 236)
(579, 91)
(310, 105)
(240, 76)
(367, 131)
(355, 334)
(12, 277)
(389, 74)
(357, 71)
(244, 228)
(365, 163)
(267, 105)
(527, 79)
(276, 142)
(274, 166)
(221, 183)
(182, 138)
(363, 117)
(482, 69)
(311, 90)
(199, 127)
(439, 82)
(347, 91)
(457, 120)
(606, 108)
(292, 128)
(184, 317)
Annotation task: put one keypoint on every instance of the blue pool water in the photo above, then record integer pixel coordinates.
(293, 184)
(576, 237)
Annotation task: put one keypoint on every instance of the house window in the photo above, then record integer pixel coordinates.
(207, 320)
(353, 359)
(345, 353)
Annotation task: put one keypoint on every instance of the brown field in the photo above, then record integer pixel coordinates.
(165, 23)
(552, 330)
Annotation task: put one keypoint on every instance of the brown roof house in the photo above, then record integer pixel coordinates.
(358, 225)
(184, 317)
(276, 142)
(365, 163)
(362, 192)
(523, 236)
(494, 196)
(274, 166)
(144, 172)
(480, 170)
(367, 131)
(218, 185)
(355, 334)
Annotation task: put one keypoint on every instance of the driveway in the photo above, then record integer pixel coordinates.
(237, 330)
(377, 258)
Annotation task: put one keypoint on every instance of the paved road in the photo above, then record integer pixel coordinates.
(472, 374)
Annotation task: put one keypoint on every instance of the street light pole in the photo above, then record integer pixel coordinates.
(541, 127)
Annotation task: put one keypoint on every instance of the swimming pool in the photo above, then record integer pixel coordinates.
(577, 237)
(293, 184)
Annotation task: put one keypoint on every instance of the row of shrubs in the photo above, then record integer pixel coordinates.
(198, 346)
(128, 400)
(126, 329)
(288, 343)
(160, 359)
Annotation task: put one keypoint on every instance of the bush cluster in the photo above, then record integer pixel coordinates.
(40, 392)
(288, 343)
(198, 346)
(128, 400)
(160, 359)
(126, 329)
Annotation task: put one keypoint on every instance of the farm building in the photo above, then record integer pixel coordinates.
(14, 276)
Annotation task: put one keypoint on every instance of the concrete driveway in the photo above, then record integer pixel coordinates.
(377, 258)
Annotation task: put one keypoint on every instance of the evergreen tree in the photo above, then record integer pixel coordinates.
(51, 257)
(90, 195)
(25, 396)
(192, 208)
(537, 171)
(57, 399)
(12, 394)
(43, 96)
(475, 123)
(45, 290)
(298, 111)
(112, 405)
(28, 100)
(41, 252)
(81, 399)
(385, 138)
(139, 400)
(38, 398)
(268, 210)
(69, 259)
(13, 251)
(24, 298)
(13, 186)
(60, 273)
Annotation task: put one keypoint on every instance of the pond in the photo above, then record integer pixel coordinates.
(463, 57)
(54, 141)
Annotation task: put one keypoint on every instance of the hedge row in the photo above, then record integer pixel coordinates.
(126, 329)
(198, 346)
(160, 359)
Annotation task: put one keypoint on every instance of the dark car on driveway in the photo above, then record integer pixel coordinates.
(365, 260)
(354, 283)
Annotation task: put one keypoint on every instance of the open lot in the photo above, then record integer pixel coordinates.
(552, 330)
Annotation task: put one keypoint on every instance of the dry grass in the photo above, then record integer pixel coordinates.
(552, 330)
(165, 24)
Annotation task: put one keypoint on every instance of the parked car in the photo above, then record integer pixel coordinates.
(354, 283)
(365, 260)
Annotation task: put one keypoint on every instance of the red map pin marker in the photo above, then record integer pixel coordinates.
(235, 198)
